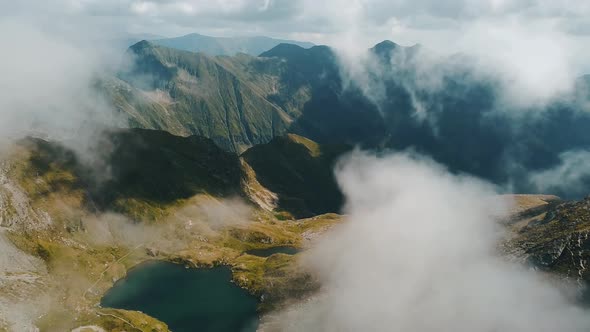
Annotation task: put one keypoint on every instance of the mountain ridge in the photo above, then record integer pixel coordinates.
(204, 95)
(242, 101)
(254, 45)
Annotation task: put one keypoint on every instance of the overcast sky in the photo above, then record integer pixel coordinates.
(409, 22)
(448, 26)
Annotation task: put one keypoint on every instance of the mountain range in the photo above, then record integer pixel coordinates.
(241, 101)
(195, 42)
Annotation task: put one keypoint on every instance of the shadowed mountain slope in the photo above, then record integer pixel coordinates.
(301, 172)
(131, 170)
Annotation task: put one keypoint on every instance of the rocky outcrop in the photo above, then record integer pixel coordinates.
(557, 239)
(257, 193)
(15, 208)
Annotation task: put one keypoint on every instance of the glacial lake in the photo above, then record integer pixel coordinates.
(186, 299)
(273, 250)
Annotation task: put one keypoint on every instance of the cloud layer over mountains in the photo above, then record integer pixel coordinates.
(418, 252)
(437, 23)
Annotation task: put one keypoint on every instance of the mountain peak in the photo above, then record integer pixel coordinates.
(141, 45)
(282, 50)
(386, 43)
(385, 47)
(194, 34)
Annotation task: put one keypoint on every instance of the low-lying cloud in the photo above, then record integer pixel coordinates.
(514, 84)
(48, 86)
(571, 176)
(534, 62)
(203, 216)
(418, 252)
(523, 47)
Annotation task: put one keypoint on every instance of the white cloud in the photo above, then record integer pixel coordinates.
(47, 87)
(144, 8)
(535, 61)
(430, 22)
(418, 253)
(571, 175)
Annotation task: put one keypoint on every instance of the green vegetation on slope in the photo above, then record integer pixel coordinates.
(136, 171)
(241, 101)
(222, 98)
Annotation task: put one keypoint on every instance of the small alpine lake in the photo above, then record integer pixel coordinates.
(187, 299)
(273, 250)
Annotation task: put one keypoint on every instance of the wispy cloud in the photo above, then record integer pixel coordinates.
(570, 177)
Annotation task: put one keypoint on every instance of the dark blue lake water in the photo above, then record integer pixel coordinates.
(186, 299)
